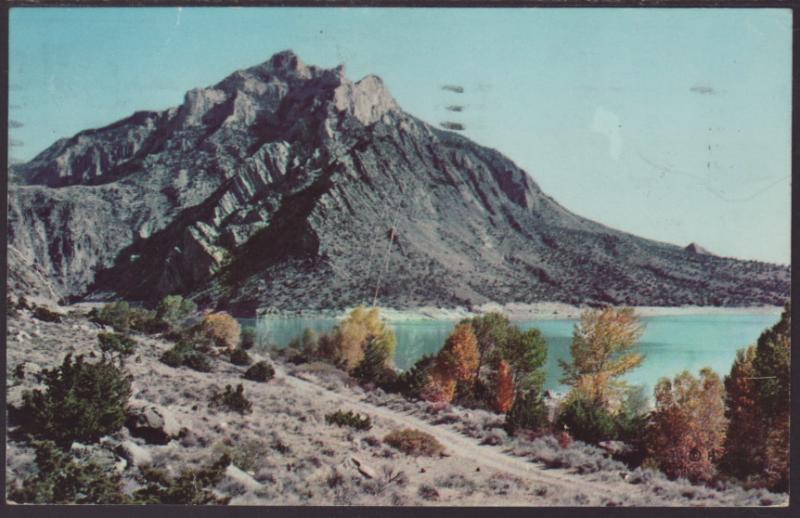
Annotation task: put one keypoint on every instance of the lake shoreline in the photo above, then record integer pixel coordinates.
(524, 312)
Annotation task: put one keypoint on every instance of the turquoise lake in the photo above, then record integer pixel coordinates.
(670, 343)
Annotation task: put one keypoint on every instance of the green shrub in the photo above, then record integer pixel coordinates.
(248, 339)
(528, 412)
(411, 382)
(116, 345)
(292, 355)
(414, 442)
(261, 371)
(197, 361)
(83, 402)
(587, 421)
(124, 318)
(307, 346)
(191, 487)
(189, 351)
(240, 357)
(116, 315)
(45, 315)
(632, 419)
(144, 321)
(61, 479)
(350, 419)
(174, 310)
(232, 400)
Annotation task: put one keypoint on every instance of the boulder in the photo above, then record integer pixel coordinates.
(242, 478)
(153, 423)
(364, 469)
(134, 454)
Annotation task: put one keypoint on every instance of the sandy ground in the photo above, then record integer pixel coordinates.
(541, 311)
(285, 454)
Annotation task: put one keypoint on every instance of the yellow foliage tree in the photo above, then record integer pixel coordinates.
(602, 351)
(351, 336)
(504, 388)
(223, 329)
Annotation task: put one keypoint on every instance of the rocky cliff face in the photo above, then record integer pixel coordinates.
(290, 186)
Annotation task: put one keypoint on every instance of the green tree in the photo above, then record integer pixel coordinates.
(587, 421)
(174, 310)
(745, 441)
(412, 382)
(114, 345)
(772, 365)
(62, 479)
(83, 402)
(528, 412)
(372, 368)
(757, 402)
(499, 340)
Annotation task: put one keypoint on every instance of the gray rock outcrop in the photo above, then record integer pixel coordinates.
(153, 423)
(290, 186)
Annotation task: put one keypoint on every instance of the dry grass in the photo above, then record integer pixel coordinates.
(414, 442)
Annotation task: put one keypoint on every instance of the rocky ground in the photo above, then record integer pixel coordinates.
(284, 453)
(517, 311)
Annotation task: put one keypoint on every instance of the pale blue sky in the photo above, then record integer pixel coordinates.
(671, 124)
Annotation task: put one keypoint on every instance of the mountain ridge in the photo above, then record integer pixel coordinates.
(289, 185)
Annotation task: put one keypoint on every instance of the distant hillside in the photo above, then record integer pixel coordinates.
(290, 186)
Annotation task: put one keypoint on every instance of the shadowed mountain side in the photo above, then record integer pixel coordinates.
(287, 185)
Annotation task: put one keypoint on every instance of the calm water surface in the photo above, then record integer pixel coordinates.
(670, 343)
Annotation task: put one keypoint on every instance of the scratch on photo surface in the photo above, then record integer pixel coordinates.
(665, 169)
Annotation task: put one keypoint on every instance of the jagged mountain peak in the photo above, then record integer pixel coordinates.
(281, 99)
(290, 185)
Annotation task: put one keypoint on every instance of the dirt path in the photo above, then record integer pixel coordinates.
(458, 445)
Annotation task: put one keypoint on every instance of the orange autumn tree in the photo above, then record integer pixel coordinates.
(504, 388)
(687, 429)
(456, 361)
(440, 387)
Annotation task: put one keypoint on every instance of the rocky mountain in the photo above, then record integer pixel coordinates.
(290, 186)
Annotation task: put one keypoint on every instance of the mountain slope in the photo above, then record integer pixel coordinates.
(290, 186)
